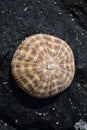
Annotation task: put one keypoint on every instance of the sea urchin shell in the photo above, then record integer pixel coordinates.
(43, 65)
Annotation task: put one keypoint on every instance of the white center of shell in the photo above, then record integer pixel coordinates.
(50, 66)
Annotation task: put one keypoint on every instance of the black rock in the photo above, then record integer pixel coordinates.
(63, 18)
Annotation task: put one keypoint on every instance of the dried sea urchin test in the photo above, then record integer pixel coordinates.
(43, 65)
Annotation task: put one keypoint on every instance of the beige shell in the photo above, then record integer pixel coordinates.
(43, 65)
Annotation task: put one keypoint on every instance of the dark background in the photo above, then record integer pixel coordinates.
(66, 19)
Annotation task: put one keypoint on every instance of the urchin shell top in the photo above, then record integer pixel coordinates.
(43, 65)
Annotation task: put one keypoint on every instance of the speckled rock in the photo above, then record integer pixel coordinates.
(62, 18)
(5, 126)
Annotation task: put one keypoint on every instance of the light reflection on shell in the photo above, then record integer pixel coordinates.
(43, 65)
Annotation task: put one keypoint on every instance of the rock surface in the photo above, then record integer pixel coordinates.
(66, 19)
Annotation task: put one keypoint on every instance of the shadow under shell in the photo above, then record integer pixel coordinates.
(27, 100)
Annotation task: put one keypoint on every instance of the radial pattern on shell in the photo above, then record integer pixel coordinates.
(43, 65)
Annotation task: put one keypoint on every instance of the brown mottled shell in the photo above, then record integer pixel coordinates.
(43, 65)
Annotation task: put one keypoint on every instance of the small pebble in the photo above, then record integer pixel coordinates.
(76, 12)
(85, 85)
(5, 124)
(4, 32)
(53, 108)
(38, 1)
(41, 114)
(60, 13)
(78, 84)
(2, 11)
(80, 114)
(16, 121)
(70, 15)
(25, 9)
(21, 18)
(1, 120)
(75, 107)
(72, 20)
(44, 114)
(82, 34)
(57, 123)
(41, 12)
(55, 2)
(85, 114)
(5, 83)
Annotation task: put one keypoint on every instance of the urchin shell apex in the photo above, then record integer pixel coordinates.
(43, 65)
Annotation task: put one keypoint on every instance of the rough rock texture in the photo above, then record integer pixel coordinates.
(63, 18)
(5, 126)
